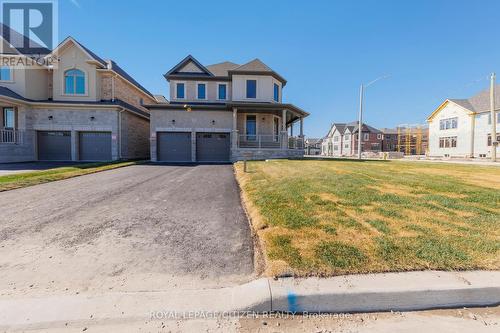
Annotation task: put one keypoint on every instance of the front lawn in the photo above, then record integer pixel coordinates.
(329, 217)
(18, 180)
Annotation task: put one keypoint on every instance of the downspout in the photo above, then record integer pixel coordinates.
(473, 125)
(120, 133)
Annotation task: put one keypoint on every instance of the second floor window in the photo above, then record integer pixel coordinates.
(179, 90)
(276, 93)
(5, 73)
(74, 82)
(251, 88)
(366, 136)
(202, 91)
(448, 123)
(222, 91)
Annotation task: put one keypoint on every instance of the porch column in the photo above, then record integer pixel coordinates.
(301, 127)
(291, 129)
(284, 133)
(235, 130)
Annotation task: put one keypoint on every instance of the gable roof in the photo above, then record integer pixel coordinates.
(223, 68)
(338, 126)
(85, 50)
(477, 103)
(366, 128)
(256, 67)
(110, 64)
(184, 62)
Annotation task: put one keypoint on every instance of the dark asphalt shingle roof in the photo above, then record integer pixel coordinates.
(4, 91)
(121, 71)
(479, 102)
(222, 68)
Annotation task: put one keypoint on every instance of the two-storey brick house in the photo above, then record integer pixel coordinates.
(224, 112)
(83, 108)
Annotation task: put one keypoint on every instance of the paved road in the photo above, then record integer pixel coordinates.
(146, 227)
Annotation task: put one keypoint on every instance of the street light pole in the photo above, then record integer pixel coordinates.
(360, 121)
(361, 100)
(494, 142)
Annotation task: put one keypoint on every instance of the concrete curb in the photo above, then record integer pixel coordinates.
(355, 293)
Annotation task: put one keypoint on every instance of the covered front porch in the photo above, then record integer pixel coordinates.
(263, 131)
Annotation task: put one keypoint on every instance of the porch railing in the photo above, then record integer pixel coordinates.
(295, 142)
(11, 136)
(268, 142)
(259, 141)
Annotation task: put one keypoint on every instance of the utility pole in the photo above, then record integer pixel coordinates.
(360, 121)
(494, 142)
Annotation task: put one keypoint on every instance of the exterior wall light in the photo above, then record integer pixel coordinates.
(173, 121)
(51, 117)
(92, 118)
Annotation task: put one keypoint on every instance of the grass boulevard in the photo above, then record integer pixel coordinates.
(335, 217)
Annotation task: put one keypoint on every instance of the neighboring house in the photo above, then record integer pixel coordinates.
(342, 140)
(313, 146)
(390, 139)
(462, 127)
(224, 112)
(408, 140)
(83, 109)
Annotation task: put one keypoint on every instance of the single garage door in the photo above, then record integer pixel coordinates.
(212, 147)
(54, 145)
(94, 146)
(174, 146)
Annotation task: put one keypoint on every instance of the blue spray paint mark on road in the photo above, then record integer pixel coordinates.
(292, 302)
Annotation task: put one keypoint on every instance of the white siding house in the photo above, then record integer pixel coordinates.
(462, 127)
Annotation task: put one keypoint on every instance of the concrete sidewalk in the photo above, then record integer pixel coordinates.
(342, 294)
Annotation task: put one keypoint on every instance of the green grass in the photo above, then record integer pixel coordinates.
(334, 217)
(18, 180)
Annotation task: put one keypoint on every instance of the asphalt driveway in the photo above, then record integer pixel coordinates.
(145, 227)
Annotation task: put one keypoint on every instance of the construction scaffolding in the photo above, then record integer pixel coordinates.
(413, 139)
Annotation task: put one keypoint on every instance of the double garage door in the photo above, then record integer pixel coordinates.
(56, 146)
(177, 147)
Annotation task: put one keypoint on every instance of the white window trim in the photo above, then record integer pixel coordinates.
(63, 85)
(11, 75)
(175, 90)
(206, 91)
(227, 91)
(366, 136)
(4, 117)
(275, 82)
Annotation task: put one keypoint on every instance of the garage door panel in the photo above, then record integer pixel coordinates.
(94, 146)
(174, 146)
(54, 145)
(213, 147)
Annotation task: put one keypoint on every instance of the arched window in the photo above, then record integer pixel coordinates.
(74, 82)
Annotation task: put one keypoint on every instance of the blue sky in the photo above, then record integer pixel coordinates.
(325, 49)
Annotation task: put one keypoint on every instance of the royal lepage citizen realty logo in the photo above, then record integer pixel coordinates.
(28, 28)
